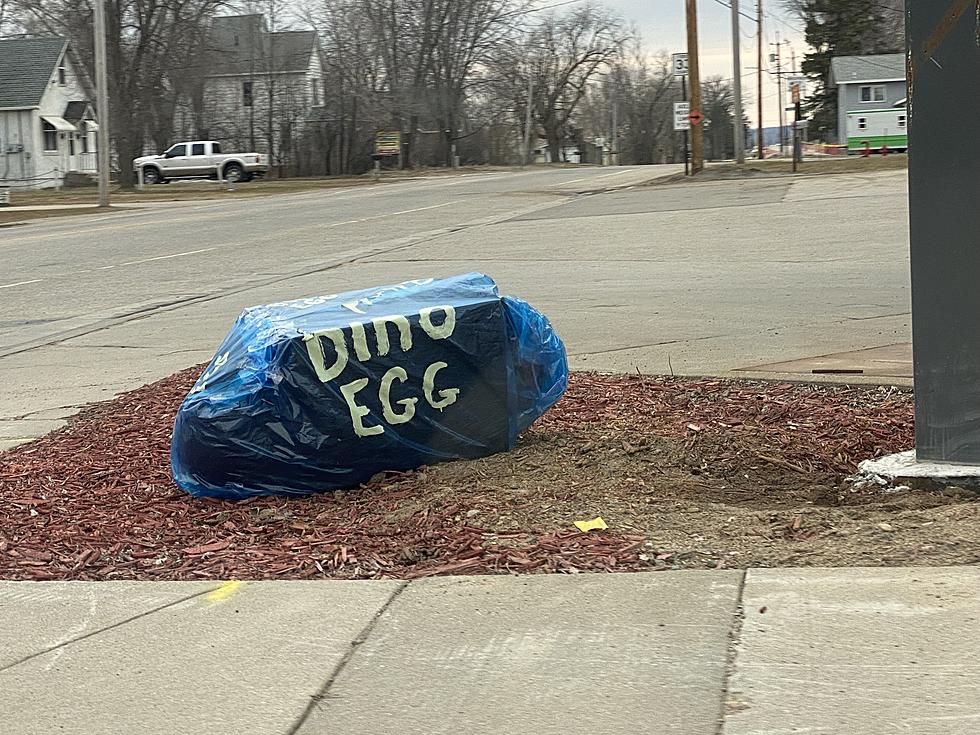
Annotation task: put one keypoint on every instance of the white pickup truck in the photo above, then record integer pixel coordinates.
(199, 159)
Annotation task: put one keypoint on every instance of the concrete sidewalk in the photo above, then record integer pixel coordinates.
(842, 651)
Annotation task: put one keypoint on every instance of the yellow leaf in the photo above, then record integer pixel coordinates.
(595, 523)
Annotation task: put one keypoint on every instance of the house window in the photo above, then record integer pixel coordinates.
(85, 141)
(902, 121)
(71, 145)
(862, 123)
(61, 76)
(315, 90)
(873, 93)
(50, 136)
(247, 94)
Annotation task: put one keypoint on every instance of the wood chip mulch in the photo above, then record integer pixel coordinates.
(95, 500)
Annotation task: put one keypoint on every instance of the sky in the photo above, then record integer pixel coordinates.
(662, 27)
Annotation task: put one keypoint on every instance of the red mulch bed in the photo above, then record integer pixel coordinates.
(95, 500)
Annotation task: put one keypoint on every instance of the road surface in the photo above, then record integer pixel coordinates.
(702, 278)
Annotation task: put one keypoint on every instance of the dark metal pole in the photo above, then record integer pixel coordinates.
(687, 171)
(797, 143)
(944, 191)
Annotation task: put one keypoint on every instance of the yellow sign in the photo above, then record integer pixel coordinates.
(388, 143)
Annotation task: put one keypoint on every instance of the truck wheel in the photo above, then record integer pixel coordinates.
(234, 172)
(151, 175)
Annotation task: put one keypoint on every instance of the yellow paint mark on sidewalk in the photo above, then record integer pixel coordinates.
(223, 592)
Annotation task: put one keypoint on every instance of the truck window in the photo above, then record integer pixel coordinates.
(197, 149)
(216, 148)
(177, 150)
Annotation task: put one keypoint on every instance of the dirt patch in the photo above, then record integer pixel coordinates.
(12, 219)
(686, 473)
(198, 190)
(770, 168)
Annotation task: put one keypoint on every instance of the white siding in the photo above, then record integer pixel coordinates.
(34, 167)
(230, 121)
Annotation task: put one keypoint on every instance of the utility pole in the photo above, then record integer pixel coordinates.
(102, 103)
(737, 85)
(797, 113)
(759, 77)
(697, 150)
(779, 93)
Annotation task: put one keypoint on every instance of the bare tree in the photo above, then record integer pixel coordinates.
(566, 53)
(631, 106)
(148, 43)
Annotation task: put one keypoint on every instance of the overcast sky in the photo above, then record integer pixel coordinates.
(661, 23)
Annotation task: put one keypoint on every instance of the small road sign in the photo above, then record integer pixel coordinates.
(678, 63)
(695, 117)
(388, 143)
(797, 81)
(681, 111)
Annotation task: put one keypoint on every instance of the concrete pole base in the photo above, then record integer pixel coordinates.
(904, 469)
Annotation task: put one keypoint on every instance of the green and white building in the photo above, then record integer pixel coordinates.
(871, 101)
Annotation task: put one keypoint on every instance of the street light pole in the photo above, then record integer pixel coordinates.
(760, 150)
(777, 57)
(737, 85)
(102, 103)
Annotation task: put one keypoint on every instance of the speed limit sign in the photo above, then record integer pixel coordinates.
(679, 64)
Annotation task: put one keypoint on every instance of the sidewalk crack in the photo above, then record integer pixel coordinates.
(105, 629)
(734, 638)
(365, 633)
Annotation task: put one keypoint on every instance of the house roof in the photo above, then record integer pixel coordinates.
(855, 69)
(26, 65)
(292, 49)
(241, 44)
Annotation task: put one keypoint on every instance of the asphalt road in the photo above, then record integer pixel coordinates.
(699, 278)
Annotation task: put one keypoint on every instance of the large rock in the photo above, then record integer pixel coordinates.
(320, 394)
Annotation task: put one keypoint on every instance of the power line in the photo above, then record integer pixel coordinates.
(726, 5)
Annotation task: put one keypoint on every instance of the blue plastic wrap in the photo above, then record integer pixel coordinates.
(321, 394)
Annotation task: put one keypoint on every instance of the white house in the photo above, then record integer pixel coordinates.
(261, 88)
(47, 122)
(867, 83)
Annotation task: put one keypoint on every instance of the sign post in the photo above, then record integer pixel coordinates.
(678, 63)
